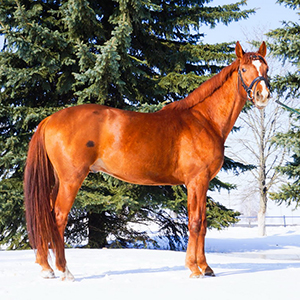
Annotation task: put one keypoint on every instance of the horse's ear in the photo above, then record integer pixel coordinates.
(263, 49)
(239, 50)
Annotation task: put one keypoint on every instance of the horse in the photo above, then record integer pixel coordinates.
(181, 144)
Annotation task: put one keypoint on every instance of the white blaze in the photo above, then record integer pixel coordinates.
(257, 64)
(264, 92)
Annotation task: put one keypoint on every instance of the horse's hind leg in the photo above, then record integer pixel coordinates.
(63, 204)
(42, 260)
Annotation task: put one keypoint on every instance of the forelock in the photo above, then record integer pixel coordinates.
(251, 56)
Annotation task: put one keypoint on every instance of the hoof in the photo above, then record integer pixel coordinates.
(196, 275)
(209, 272)
(47, 274)
(67, 276)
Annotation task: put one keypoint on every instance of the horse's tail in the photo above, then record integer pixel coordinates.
(40, 191)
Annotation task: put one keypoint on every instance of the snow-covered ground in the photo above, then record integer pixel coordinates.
(246, 267)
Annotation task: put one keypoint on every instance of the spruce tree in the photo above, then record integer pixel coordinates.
(286, 46)
(129, 54)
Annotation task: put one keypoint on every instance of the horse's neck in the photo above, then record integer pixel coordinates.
(223, 106)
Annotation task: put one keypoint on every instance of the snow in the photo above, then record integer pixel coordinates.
(246, 267)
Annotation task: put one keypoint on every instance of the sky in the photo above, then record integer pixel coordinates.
(269, 15)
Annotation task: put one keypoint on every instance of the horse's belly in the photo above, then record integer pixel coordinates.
(135, 174)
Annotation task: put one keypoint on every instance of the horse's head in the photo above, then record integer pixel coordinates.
(252, 72)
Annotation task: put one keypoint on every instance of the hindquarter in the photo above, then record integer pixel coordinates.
(71, 140)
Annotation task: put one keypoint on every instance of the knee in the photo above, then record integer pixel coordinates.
(198, 226)
(195, 226)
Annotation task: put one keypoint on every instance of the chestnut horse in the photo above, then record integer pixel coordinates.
(181, 144)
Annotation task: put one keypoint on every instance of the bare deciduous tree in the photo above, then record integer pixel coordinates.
(262, 126)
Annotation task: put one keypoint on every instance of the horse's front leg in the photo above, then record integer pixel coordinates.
(195, 256)
(201, 259)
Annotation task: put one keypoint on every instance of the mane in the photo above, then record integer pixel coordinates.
(207, 88)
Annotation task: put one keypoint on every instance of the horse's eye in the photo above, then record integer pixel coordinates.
(244, 70)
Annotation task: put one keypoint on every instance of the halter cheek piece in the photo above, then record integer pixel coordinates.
(254, 83)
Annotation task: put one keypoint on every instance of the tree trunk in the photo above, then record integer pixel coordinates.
(97, 231)
(262, 214)
(262, 178)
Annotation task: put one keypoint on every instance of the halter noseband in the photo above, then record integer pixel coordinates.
(248, 89)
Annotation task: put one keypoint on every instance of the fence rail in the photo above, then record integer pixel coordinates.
(270, 220)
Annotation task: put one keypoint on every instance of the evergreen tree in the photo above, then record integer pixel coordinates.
(286, 46)
(130, 54)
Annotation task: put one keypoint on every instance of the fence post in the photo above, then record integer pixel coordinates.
(284, 223)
